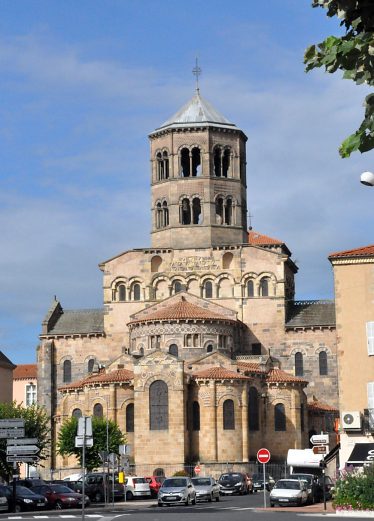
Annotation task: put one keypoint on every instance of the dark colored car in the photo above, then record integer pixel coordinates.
(258, 482)
(26, 499)
(29, 482)
(233, 483)
(155, 483)
(99, 485)
(60, 496)
(329, 487)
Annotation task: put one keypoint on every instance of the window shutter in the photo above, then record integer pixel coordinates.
(370, 337)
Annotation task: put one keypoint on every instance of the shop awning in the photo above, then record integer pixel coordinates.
(363, 453)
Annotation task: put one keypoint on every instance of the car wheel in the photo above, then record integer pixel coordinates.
(18, 508)
(210, 499)
(194, 501)
(188, 501)
(129, 495)
(159, 504)
(271, 505)
(217, 498)
(58, 505)
(98, 497)
(251, 491)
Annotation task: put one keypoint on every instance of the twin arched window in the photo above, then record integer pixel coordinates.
(221, 161)
(224, 210)
(162, 215)
(121, 292)
(279, 417)
(190, 162)
(130, 418)
(190, 211)
(66, 371)
(228, 415)
(158, 406)
(162, 160)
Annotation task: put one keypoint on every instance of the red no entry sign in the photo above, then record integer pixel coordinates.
(263, 456)
(197, 469)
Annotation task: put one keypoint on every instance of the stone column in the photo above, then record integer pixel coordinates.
(245, 447)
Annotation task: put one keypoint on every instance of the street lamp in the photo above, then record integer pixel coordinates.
(367, 178)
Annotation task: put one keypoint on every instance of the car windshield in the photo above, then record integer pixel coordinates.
(230, 477)
(174, 482)
(25, 491)
(288, 485)
(303, 477)
(139, 480)
(61, 489)
(199, 482)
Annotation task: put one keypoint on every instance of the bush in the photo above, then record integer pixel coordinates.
(181, 473)
(354, 490)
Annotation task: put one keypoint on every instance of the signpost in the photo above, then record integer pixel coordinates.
(21, 450)
(263, 456)
(23, 441)
(12, 428)
(22, 459)
(320, 449)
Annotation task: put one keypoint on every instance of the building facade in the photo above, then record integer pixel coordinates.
(200, 349)
(25, 384)
(6, 379)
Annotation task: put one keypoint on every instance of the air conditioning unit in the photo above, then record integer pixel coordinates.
(351, 420)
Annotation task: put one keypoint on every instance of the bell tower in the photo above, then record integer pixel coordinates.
(198, 179)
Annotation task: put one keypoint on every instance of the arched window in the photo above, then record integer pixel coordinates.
(217, 160)
(130, 418)
(299, 364)
(196, 162)
(121, 292)
(185, 162)
(173, 349)
(264, 287)
(66, 371)
(98, 410)
(177, 286)
(77, 413)
(165, 214)
(158, 215)
(90, 365)
(160, 166)
(185, 211)
(208, 289)
(250, 289)
(156, 264)
(219, 210)
(195, 416)
(279, 417)
(165, 160)
(196, 211)
(228, 211)
(158, 406)
(323, 368)
(227, 260)
(226, 162)
(254, 411)
(209, 348)
(228, 415)
(136, 292)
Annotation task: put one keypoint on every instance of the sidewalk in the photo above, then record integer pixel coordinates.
(317, 508)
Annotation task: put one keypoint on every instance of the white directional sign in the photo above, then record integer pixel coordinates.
(18, 432)
(12, 423)
(79, 441)
(23, 441)
(319, 439)
(21, 449)
(23, 459)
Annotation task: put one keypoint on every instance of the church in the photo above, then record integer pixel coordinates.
(200, 352)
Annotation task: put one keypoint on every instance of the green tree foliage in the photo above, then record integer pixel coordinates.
(66, 441)
(352, 53)
(355, 490)
(36, 426)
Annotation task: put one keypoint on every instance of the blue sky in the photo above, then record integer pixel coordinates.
(82, 83)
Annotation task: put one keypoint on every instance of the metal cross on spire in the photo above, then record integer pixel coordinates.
(196, 71)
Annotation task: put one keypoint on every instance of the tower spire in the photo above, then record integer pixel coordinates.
(196, 71)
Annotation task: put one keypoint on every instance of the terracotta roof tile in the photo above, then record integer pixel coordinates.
(315, 405)
(365, 251)
(252, 367)
(219, 373)
(260, 239)
(279, 376)
(181, 310)
(25, 371)
(120, 375)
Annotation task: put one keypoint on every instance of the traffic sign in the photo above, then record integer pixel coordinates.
(17, 450)
(319, 439)
(23, 459)
(320, 449)
(17, 432)
(263, 456)
(12, 423)
(23, 441)
(197, 469)
(79, 441)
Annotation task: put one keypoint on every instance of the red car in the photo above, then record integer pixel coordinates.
(155, 483)
(60, 496)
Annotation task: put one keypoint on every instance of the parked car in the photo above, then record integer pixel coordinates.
(4, 504)
(155, 483)
(258, 482)
(313, 488)
(28, 482)
(99, 485)
(249, 483)
(233, 483)
(136, 486)
(26, 499)
(60, 496)
(75, 486)
(206, 489)
(289, 492)
(329, 487)
(177, 490)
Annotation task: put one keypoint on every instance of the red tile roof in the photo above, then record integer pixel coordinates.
(251, 367)
(219, 373)
(120, 375)
(259, 239)
(25, 371)
(365, 251)
(315, 405)
(279, 376)
(181, 310)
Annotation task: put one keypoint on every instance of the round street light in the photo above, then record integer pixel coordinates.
(367, 178)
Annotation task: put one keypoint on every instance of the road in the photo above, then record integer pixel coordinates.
(237, 508)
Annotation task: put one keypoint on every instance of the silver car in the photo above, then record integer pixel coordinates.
(175, 491)
(289, 492)
(206, 489)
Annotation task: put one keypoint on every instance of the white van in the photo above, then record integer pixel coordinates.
(136, 486)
